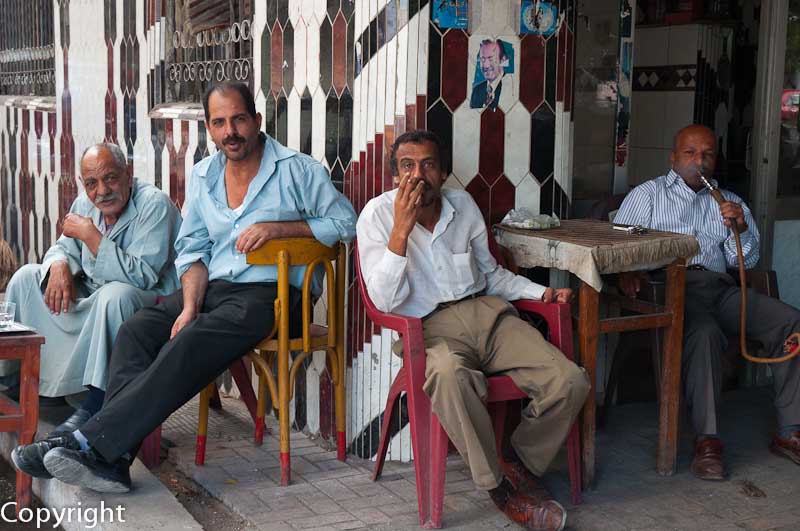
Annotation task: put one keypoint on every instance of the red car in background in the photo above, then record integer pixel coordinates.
(790, 105)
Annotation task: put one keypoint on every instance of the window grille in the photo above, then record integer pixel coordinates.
(209, 41)
(27, 55)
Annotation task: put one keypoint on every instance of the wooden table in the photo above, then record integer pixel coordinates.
(590, 249)
(22, 418)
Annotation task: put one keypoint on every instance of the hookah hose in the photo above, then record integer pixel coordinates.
(791, 347)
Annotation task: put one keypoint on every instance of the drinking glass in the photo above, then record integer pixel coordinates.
(7, 310)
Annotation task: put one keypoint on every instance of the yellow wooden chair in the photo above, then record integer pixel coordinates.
(275, 348)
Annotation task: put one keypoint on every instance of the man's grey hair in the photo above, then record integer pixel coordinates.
(119, 156)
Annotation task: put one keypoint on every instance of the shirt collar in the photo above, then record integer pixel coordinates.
(212, 172)
(273, 152)
(672, 178)
(127, 215)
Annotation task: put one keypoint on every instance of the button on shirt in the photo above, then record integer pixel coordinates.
(667, 203)
(289, 186)
(447, 264)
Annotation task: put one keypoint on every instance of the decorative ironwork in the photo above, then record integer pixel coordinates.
(205, 71)
(27, 57)
(208, 41)
(236, 32)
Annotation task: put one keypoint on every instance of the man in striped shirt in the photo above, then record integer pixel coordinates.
(678, 202)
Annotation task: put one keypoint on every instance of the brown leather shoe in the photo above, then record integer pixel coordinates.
(789, 448)
(547, 515)
(707, 462)
(523, 479)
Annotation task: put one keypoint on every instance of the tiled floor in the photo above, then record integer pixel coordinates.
(328, 494)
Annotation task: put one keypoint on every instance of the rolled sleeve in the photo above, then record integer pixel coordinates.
(185, 260)
(193, 243)
(60, 253)
(329, 214)
(326, 232)
(748, 238)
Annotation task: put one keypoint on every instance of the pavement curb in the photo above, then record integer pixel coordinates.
(149, 506)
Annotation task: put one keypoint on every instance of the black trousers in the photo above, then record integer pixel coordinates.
(151, 376)
(711, 314)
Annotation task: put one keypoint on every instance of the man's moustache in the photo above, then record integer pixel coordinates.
(106, 198)
(232, 139)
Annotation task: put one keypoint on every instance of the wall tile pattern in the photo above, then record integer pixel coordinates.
(338, 80)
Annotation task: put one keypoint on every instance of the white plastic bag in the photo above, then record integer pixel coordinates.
(522, 218)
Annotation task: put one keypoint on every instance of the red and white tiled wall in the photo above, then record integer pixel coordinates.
(337, 79)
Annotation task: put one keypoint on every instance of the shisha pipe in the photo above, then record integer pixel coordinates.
(790, 351)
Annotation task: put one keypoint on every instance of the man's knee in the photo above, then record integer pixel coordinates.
(441, 369)
(136, 324)
(444, 372)
(26, 277)
(575, 385)
(121, 296)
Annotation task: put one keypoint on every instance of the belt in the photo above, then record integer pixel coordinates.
(442, 305)
(697, 267)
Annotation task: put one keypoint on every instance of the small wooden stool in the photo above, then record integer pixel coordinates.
(22, 418)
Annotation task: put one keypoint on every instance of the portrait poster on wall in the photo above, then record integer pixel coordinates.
(451, 13)
(493, 71)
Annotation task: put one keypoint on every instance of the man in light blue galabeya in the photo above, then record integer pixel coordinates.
(114, 257)
(251, 191)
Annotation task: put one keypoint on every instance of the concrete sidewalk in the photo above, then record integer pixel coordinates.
(330, 495)
(629, 494)
(150, 506)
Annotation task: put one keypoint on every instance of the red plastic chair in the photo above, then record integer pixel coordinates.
(429, 441)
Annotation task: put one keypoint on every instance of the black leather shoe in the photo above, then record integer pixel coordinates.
(30, 457)
(86, 468)
(74, 422)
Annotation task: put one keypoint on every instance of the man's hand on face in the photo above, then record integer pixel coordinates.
(184, 318)
(80, 227)
(407, 204)
(728, 210)
(557, 295)
(59, 291)
(255, 236)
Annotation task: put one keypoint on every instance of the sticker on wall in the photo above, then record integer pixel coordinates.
(451, 13)
(624, 68)
(538, 18)
(494, 71)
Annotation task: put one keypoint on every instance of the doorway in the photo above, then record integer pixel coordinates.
(776, 145)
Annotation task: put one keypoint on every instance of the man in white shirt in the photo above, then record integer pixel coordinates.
(424, 253)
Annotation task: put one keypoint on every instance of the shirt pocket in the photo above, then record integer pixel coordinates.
(464, 272)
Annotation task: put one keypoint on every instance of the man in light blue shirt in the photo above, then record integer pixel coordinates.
(679, 202)
(249, 192)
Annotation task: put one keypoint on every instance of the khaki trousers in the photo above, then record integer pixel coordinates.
(483, 337)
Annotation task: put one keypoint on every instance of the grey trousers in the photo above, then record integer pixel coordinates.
(711, 313)
(484, 336)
